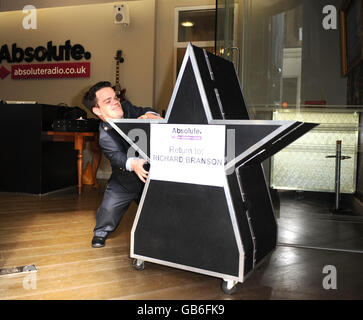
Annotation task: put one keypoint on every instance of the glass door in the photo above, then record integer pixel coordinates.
(288, 55)
(226, 29)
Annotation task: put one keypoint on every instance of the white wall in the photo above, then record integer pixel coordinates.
(93, 27)
(147, 45)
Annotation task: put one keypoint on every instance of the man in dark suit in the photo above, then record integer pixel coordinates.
(128, 174)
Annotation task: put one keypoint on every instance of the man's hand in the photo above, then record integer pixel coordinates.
(137, 166)
(149, 115)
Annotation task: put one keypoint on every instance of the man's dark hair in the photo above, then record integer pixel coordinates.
(89, 98)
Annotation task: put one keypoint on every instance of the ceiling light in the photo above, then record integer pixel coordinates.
(187, 24)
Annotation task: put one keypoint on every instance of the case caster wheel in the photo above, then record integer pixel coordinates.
(139, 265)
(229, 286)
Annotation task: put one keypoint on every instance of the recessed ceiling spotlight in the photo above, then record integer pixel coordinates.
(187, 24)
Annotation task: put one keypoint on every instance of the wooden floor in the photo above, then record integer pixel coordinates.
(54, 233)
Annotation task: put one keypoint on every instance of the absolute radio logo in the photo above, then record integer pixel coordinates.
(3, 72)
(50, 52)
(50, 70)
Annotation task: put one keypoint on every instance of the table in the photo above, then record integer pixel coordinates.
(79, 139)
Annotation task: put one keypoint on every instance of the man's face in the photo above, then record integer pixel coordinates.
(108, 105)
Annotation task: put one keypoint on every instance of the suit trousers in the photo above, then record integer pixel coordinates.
(115, 203)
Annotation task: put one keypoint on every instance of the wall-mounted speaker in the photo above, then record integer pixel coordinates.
(122, 14)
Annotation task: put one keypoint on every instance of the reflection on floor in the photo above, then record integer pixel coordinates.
(305, 219)
(54, 233)
(310, 238)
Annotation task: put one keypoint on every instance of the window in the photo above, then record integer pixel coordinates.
(196, 25)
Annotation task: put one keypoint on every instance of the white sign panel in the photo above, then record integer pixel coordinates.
(187, 153)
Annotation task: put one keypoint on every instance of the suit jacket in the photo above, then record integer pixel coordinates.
(115, 149)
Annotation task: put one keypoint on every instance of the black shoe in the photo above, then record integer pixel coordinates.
(98, 242)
